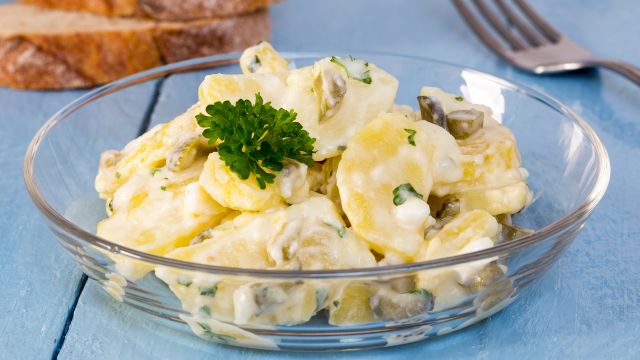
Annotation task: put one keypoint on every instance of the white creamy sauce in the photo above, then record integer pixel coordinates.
(467, 271)
(413, 214)
(244, 305)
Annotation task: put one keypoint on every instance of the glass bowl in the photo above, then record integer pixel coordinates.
(568, 166)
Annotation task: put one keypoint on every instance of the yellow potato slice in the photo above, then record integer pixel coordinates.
(309, 235)
(229, 190)
(378, 160)
(262, 58)
(470, 231)
(452, 102)
(151, 213)
(490, 160)
(146, 152)
(352, 306)
(332, 106)
(505, 200)
(223, 87)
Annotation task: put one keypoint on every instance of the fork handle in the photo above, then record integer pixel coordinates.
(627, 70)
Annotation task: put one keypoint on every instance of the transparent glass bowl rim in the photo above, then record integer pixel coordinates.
(578, 214)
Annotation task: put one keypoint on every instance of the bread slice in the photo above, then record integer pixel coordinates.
(169, 10)
(51, 49)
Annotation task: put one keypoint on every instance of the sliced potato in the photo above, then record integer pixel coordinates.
(309, 236)
(470, 231)
(145, 153)
(379, 165)
(490, 160)
(332, 106)
(225, 87)
(352, 306)
(452, 102)
(228, 189)
(262, 58)
(151, 213)
(505, 200)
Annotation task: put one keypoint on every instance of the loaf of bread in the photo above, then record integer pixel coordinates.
(52, 49)
(168, 10)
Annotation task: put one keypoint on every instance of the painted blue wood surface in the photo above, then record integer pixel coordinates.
(587, 305)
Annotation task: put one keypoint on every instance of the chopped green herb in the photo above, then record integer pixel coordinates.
(356, 69)
(403, 192)
(336, 303)
(154, 171)
(256, 138)
(340, 229)
(205, 327)
(422, 292)
(342, 232)
(183, 282)
(410, 138)
(110, 205)
(225, 339)
(118, 175)
(459, 98)
(163, 188)
(205, 310)
(211, 291)
(342, 147)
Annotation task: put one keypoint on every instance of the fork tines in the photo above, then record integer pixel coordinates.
(532, 30)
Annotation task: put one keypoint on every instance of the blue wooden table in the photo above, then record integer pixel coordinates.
(588, 305)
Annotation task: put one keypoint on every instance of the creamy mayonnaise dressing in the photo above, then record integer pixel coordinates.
(381, 175)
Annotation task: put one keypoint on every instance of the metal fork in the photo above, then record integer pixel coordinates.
(534, 45)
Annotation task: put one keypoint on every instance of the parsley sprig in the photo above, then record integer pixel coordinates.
(256, 138)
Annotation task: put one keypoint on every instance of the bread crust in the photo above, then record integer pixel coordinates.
(24, 66)
(178, 41)
(89, 58)
(166, 10)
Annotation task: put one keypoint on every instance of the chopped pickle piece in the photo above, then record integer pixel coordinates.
(489, 274)
(464, 123)
(390, 305)
(431, 111)
(330, 89)
(355, 68)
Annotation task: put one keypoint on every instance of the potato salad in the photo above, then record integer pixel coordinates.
(315, 168)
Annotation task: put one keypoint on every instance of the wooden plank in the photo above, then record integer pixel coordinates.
(586, 304)
(40, 282)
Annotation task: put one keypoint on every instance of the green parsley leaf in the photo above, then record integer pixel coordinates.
(421, 292)
(410, 138)
(459, 98)
(356, 69)
(163, 188)
(154, 171)
(111, 205)
(403, 192)
(205, 310)
(205, 327)
(184, 282)
(209, 291)
(340, 229)
(256, 138)
(336, 303)
(118, 175)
